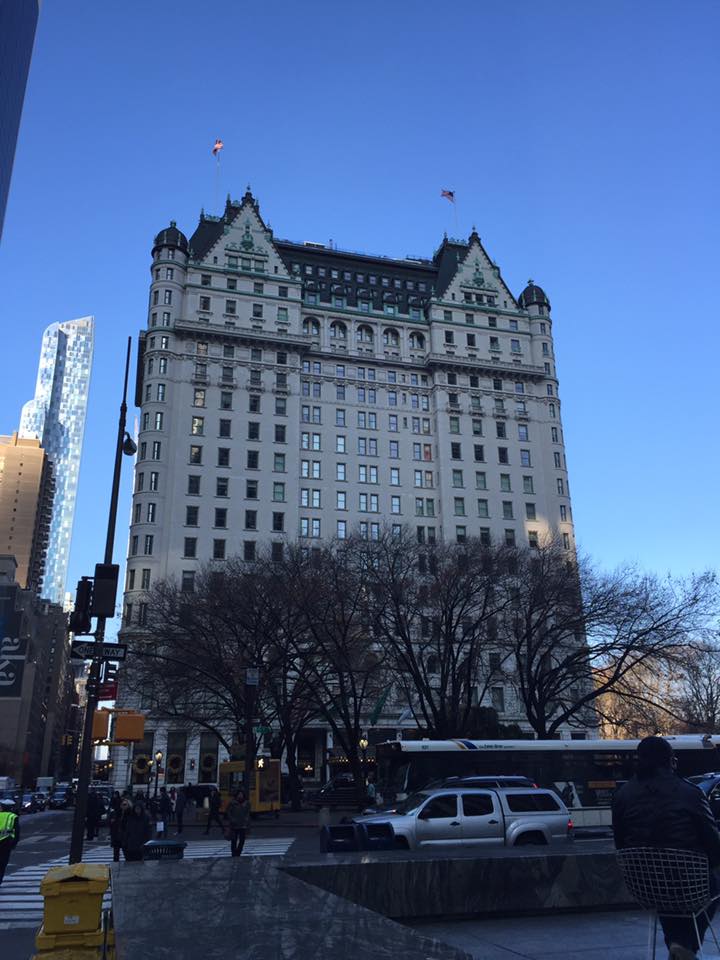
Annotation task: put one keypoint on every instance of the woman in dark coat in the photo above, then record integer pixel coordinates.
(135, 831)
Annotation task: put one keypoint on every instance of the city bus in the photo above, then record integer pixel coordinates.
(264, 784)
(585, 773)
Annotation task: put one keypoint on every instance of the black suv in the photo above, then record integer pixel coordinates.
(709, 783)
(341, 791)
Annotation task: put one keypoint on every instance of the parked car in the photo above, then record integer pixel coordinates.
(709, 783)
(59, 800)
(340, 791)
(496, 781)
(29, 803)
(14, 796)
(466, 816)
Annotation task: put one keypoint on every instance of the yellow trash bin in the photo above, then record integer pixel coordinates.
(73, 898)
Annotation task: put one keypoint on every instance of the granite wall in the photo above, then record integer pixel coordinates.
(413, 887)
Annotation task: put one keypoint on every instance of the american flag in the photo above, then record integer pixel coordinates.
(448, 194)
(218, 147)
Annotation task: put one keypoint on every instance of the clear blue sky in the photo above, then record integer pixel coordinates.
(581, 139)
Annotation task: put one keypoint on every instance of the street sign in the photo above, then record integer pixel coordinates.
(252, 676)
(89, 650)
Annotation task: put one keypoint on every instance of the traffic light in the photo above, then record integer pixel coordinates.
(105, 590)
(79, 621)
(109, 685)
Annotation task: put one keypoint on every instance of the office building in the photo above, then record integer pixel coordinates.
(34, 641)
(297, 391)
(18, 20)
(26, 498)
(56, 417)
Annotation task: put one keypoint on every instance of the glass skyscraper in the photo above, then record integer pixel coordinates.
(18, 19)
(56, 417)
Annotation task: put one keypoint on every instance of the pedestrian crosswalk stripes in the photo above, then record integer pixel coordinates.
(21, 904)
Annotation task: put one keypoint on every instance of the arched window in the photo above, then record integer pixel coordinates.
(364, 334)
(417, 341)
(338, 330)
(391, 338)
(311, 327)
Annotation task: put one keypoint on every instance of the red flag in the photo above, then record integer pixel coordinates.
(448, 194)
(218, 147)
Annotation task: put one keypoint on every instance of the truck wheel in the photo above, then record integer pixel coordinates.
(401, 843)
(531, 840)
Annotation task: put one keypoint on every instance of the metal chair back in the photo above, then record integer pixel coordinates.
(670, 882)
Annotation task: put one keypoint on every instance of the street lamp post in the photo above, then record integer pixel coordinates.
(363, 744)
(158, 760)
(123, 445)
(149, 779)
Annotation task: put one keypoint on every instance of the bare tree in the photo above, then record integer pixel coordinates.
(344, 665)
(435, 614)
(697, 697)
(576, 633)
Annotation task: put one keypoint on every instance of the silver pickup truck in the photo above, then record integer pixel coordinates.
(479, 817)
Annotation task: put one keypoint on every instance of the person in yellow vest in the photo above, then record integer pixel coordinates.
(9, 833)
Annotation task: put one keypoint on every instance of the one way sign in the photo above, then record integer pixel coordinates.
(89, 650)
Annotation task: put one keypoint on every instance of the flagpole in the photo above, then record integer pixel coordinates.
(217, 180)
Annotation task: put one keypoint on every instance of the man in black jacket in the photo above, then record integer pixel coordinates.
(657, 808)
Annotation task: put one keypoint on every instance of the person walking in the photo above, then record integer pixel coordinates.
(657, 808)
(164, 812)
(93, 814)
(9, 833)
(237, 816)
(135, 831)
(115, 823)
(214, 811)
(173, 803)
(180, 802)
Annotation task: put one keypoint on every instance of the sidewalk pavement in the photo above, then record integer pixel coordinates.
(622, 935)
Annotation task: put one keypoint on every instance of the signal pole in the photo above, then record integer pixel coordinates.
(125, 445)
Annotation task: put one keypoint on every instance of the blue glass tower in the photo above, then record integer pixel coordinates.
(18, 19)
(56, 417)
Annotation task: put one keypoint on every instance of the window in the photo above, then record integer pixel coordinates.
(505, 482)
(278, 522)
(340, 471)
(497, 384)
(167, 297)
(480, 480)
(193, 487)
(191, 516)
(190, 547)
(561, 486)
(253, 430)
(280, 406)
(340, 500)
(528, 486)
(509, 538)
(515, 346)
(197, 426)
(530, 513)
(222, 487)
(483, 510)
(251, 519)
(199, 398)
(459, 506)
(253, 459)
(454, 424)
(224, 428)
(566, 541)
(340, 444)
(161, 392)
(257, 311)
(449, 337)
(503, 455)
(220, 517)
(395, 504)
(394, 476)
(507, 509)
(440, 808)
(341, 529)
(563, 512)
(525, 460)
(523, 432)
(470, 337)
(223, 458)
(477, 804)
(500, 429)
(457, 478)
(479, 452)
(456, 451)
(248, 550)
(557, 459)
(461, 534)
(195, 453)
(251, 489)
(226, 401)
